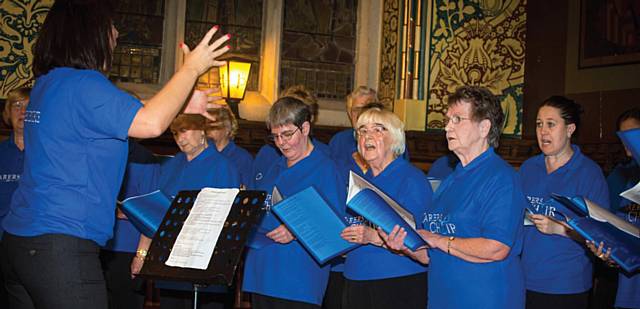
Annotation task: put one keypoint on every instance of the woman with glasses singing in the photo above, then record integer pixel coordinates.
(376, 277)
(557, 267)
(269, 153)
(12, 149)
(474, 228)
(280, 272)
(12, 154)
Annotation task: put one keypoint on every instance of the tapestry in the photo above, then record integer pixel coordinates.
(20, 21)
(477, 42)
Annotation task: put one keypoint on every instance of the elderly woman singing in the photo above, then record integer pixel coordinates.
(375, 276)
(474, 228)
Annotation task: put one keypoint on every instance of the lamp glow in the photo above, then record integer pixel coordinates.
(234, 76)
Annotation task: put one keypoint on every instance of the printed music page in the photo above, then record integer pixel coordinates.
(197, 239)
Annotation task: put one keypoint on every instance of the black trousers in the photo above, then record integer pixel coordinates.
(122, 291)
(400, 292)
(537, 300)
(333, 295)
(4, 298)
(52, 271)
(265, 302)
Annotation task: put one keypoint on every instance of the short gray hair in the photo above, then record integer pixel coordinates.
(362, 91)
(391, 122)
(288, 110)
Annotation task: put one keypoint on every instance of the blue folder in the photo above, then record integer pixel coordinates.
(631, 139)
(315, 224)
(599, 225)
(374, 208)
(146, 211)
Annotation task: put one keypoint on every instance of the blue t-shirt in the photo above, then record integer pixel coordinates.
(139, 178)
(10, 171)
(408, 186)
(481, 200)
(287, 271)
(555, 264)
(344, 144)
(441, 168)
(623, 177)
(242, 160)
(209, 169)
(76, 131)
(269, 154)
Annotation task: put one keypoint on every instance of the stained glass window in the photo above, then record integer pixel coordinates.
(318, 46)
(241, 18)
(140, 25)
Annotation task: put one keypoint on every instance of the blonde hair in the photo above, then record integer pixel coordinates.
(224, 119)
(362, 91)
(15, 95)
(391, 122)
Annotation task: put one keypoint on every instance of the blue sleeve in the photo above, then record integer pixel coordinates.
(617, 184)
(334, 148)
(415, 197)
(104, 110)
(597, 190)
(502, 210)
(227, 176)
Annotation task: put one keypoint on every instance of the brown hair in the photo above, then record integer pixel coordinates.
(188, 122)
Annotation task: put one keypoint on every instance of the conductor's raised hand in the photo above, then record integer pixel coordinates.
(205, 55)
(200, 101)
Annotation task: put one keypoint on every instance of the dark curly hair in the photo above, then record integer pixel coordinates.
(484, 105)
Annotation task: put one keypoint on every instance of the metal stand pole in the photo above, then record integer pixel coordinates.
(196, 287)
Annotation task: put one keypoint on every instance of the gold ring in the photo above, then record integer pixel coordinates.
(601, 255)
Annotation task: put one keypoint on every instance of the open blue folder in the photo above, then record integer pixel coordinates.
(374, 208)
(599, 225)
(314, 223)
(146, 211)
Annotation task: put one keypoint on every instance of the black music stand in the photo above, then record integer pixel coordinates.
(245, 213)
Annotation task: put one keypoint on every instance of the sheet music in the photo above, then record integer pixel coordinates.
(632, 194)
(195, 244)
(357, 184)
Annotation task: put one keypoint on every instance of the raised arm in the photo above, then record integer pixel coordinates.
(158, 112)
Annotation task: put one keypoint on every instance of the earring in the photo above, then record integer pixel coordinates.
(202, 141)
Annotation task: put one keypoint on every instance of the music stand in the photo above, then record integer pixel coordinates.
(245, 213)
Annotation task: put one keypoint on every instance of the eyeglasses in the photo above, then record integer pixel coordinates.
(284, 136)
(19, 104)
(375, 131)
(454, 120)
